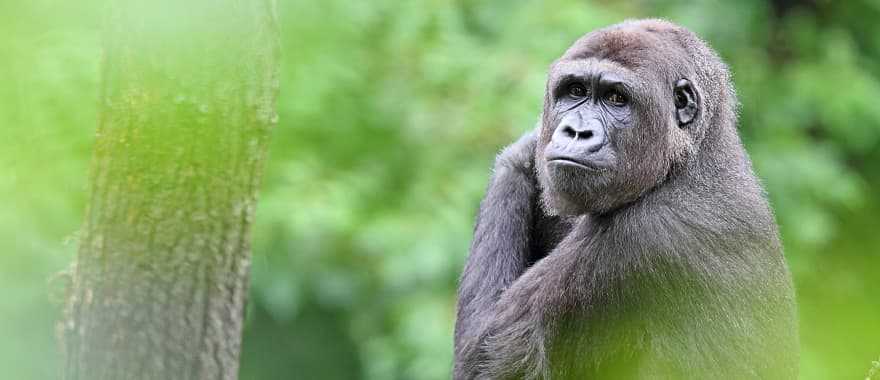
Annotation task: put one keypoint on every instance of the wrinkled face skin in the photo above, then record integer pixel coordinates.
(614, 123)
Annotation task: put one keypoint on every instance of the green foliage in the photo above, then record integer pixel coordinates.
(390, 115)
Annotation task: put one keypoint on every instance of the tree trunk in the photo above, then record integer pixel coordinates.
(187, 103)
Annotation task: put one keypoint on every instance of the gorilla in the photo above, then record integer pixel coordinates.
(627, 235)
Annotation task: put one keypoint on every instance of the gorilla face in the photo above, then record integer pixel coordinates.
(611, 131)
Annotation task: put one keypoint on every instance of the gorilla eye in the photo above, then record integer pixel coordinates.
(615, 98)
(577, 90)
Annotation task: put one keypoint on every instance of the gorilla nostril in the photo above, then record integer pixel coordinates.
(586, 134)
(569, 132)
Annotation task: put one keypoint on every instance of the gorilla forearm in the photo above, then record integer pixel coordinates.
(514, 344)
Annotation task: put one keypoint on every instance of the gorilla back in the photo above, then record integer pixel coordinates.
(627, 236)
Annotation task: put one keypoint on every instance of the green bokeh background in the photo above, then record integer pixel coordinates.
(390, 115)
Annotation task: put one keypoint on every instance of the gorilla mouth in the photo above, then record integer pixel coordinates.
(565, 161)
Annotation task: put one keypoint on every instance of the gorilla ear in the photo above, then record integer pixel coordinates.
(686, 106)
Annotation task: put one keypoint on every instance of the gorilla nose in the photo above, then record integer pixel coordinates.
(580, 134)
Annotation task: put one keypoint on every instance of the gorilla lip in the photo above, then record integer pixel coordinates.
(571, 162)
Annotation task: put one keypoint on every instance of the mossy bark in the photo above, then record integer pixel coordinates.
(187, 103)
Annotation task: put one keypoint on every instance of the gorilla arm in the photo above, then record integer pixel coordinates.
(501, 248)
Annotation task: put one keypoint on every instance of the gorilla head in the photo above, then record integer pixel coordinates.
(622, 112)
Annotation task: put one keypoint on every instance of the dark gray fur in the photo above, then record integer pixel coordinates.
(666, 265)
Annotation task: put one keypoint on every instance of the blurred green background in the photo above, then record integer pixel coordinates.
(390, 115)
